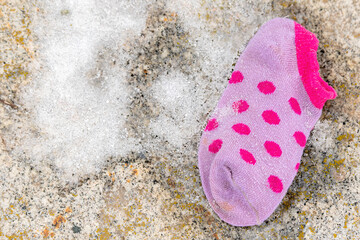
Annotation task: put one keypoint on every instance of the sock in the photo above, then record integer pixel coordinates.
(251, 148)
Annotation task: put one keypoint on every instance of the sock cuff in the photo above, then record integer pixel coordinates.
(306, 46)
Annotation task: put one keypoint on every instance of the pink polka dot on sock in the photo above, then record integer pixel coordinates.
(266, 87)
(247, 156)
(240, 106)
(300, 138)
(297, 166)
(212, 124)
(271, 117)
(273, 148)
(295, 106)
(275, 184)
(215, 146)
(241, 129)
(236, 77)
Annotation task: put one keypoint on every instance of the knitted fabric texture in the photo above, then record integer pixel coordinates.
(251, 148)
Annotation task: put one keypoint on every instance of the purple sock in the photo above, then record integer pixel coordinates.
(251, 148)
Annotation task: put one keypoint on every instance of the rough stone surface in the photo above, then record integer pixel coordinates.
(156, 193)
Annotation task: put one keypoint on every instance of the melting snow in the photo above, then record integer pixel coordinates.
(78, 98)
(177, 122)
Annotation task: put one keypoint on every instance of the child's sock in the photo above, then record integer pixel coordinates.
(251, 147)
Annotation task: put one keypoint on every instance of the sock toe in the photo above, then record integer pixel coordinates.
(229, 200)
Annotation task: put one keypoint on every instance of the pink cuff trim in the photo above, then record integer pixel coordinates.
(306, 45)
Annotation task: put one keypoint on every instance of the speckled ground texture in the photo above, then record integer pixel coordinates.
(156, 193)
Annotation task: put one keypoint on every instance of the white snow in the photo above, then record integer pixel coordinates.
(323, 136)
(78, 99)
(177, 95)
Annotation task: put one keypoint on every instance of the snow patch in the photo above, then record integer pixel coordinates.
(77, 101)
(323, 136)
(178, 96)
